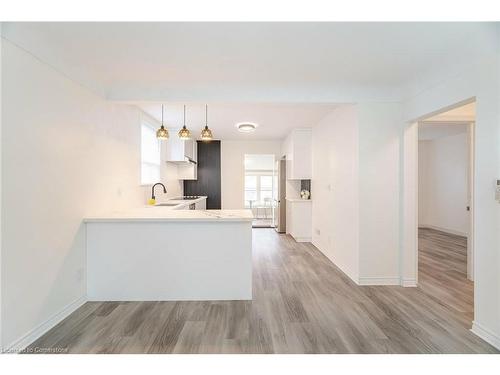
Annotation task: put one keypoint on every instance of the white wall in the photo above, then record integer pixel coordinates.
(260, 162)
(66, 153)
(443, 183)
(335, 192)
(423, 181)
(380, 137)
(233, 168)
(356, 183)
(481, 81)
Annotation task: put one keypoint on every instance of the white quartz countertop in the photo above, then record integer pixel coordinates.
(185, 201)
(298, 200)
(179, 202)
(161, 214)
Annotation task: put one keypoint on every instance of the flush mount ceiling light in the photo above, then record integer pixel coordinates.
(206, 134)
(162, 133)
(246, 127)
(184, 133)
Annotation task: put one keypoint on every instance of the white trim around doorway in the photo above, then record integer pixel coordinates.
(409, 248)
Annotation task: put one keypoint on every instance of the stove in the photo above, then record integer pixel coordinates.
(190, 197)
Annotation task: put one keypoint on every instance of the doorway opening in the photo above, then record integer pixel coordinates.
(259, 187)
(443, 206)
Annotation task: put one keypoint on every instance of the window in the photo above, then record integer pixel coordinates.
(150, 155)
(259, 180)
(258, 188)
(250, 188)
(266, 187)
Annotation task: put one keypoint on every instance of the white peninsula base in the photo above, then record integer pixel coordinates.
(189, 255)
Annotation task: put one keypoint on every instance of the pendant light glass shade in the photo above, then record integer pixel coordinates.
(184, 133)
(162, 133)
(206, 134)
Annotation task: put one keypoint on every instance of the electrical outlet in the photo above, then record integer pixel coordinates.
(318, 232)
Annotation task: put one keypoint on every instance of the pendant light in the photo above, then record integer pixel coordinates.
(206, 134)
(184, 133)
(162, 133)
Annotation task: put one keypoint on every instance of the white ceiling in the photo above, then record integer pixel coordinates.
(465, 112)
(447, 123)
(308, 62)
(275, 120)
(246, 71)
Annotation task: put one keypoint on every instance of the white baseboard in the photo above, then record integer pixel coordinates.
(446, 230)
(35, 333)
(409, 283)
(302, 239)
(486, 334)
(332, 259)
(379, 281)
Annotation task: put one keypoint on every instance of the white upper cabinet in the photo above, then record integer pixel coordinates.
(179, 151)
(184, 154)
(190, 149)
(187, 171)
(298, 152)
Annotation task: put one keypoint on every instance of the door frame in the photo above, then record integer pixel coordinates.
(273, 174)
(409, 250)
(471, 132)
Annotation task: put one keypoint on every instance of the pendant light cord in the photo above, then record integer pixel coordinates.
(162, 115)
(206, 115)
(184, 116)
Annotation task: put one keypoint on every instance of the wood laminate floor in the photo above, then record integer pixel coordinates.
(442, 272)
(262, 223)
(302, 304)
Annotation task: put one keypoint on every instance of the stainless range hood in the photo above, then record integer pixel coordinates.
(187, 160)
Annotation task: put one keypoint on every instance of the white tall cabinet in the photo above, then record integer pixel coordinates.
(297, 150)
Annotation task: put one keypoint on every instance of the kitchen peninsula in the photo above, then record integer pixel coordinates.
(163, 254)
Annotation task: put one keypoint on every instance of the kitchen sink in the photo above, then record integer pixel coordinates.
(167, 204)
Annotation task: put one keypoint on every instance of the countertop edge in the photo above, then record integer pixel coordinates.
(170, 215)
(160, 220)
